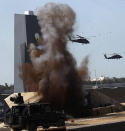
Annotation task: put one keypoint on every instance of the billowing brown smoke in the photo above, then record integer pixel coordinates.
(53, 70)
(83, 70)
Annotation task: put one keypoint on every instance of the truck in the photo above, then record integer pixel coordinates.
(32, 115)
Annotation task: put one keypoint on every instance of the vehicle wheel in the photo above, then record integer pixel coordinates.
(32, 128)
(61, 122)
(16, 130)
(45, 126)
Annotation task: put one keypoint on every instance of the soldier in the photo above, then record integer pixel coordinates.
(18, 99)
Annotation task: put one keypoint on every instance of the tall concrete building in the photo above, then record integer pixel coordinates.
(25, 27)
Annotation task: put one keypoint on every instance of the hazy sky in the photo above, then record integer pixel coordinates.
(104, 19)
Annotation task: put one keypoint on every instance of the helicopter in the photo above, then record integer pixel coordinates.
(79, 39)
(113, 56)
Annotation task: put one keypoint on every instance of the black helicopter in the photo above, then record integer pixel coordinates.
(113, 56)
(79, 39)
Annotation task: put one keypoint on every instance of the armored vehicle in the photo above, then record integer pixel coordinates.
(30, 116)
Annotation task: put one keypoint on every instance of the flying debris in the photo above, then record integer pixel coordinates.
(113, 56)
(79, 39)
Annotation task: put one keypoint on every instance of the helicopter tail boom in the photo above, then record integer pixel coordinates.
(105, 56)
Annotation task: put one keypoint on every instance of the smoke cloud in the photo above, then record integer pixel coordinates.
(52, 71)
(83, 70)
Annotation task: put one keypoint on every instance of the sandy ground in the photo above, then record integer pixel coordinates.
(3, 128)
(109, 118)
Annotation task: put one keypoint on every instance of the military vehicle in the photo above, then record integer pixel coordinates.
(30, 116)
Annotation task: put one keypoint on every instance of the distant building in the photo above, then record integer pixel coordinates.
(101, 78)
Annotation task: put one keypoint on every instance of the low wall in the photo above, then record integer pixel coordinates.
(119, 126)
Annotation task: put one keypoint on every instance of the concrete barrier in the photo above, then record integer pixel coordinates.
(103, 110)
(119, 126)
